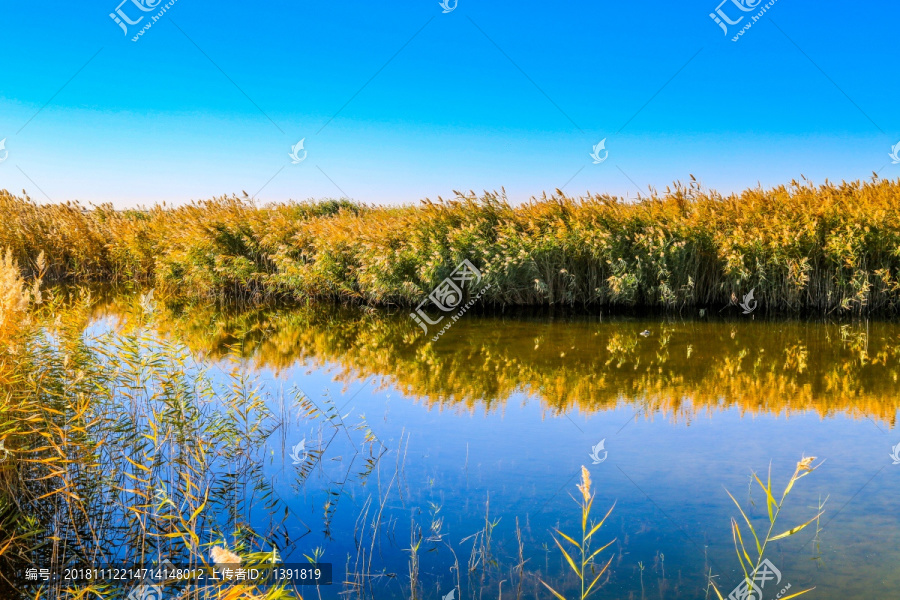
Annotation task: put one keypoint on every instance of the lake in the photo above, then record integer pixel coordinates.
(421, 468)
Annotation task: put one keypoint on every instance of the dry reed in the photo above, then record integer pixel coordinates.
(801, 247)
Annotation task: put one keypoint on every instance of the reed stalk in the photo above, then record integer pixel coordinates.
(582, 564)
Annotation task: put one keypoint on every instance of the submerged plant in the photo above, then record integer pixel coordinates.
(584, 566)
(751, 565)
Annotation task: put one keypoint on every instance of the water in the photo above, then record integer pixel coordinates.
(484, 432)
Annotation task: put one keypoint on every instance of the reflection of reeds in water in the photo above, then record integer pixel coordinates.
(683, 369)
(800, 247)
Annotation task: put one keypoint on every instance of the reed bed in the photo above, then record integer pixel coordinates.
(120, 451)
(800, 247)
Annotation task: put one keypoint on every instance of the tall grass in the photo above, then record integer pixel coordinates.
(801, 247)
(762, 537)
(17, 298)
(121, 451)
(583, 564)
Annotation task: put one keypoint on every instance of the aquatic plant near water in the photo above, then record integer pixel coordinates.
(751, 565)
(800, 247)
(583, 567)
(119, 444)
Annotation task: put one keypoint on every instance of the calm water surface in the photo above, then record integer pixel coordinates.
(492, 423)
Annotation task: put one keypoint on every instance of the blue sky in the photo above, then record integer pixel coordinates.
(399, 101)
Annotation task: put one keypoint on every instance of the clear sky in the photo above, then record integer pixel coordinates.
(401, 101)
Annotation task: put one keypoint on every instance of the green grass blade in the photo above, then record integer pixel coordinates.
(794, 530)
(570, 540)
(770, 499)
(600, 524)
(797, 594)
(599, 550)
(554, 592)
(749, 524)
(568, 558)
(602, 571)
(737, 533)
